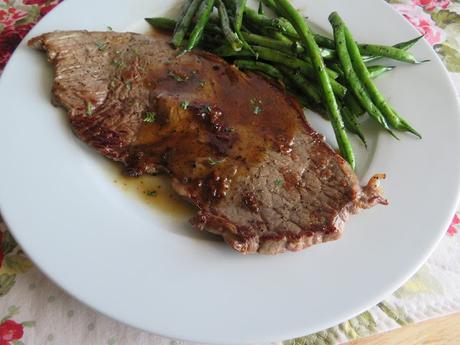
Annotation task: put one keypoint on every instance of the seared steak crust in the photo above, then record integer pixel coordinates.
(235, 145)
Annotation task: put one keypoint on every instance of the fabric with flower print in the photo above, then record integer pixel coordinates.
(430, 5)
(423, 22)
(10, 331)
(35, 311)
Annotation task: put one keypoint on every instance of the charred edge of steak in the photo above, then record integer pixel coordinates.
(247, 240)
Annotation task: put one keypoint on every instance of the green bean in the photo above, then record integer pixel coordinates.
(286, 46)
(302, 84)
(373, 51)
(239, 11)
(272, 55)
(284, 26)
(403, 45)
(351, 123)
(279, 36)
(260, 20)
(161, 23)
(351, 76)
(231, 6)
(260, 10)
(185, 19)
(308, 39)
(213, 28)
(353, 104)
(239, 6)
(270, 70)
(350, 100)
(378, 70)
(408, 44)
(264, 41)
(324, 42)
(168, 24)
(272, 5)
(203, 17)
(266, 26)
(388, 52)
(336, 67)
(393, 118)
(231, 37)
(305, 102)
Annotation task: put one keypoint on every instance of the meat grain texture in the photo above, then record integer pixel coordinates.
(234, 144)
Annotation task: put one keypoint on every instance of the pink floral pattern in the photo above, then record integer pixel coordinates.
(16, 19)
(11, 16)
(422, 22)
(10, 331)
(431, 5)
(452, 228)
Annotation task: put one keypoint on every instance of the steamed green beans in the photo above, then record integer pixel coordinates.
(352, 77)
(184, 22)
(393, 118)
(203, 17)
(263, 67)
(231, 37)
(331, 103)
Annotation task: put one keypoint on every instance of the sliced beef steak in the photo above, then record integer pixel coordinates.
(235, 145)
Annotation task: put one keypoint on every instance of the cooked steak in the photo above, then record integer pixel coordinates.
(235, 145)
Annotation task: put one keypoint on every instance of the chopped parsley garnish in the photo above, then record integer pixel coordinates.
(109, 28)
(256, 106)
(279, 182)
(118, 63)
(176, 77)
(101, 46)
(152, 193)
(128, 85)
(89, 109)
(206, 109)
(184, 105)
(149, 117)
(214, 162)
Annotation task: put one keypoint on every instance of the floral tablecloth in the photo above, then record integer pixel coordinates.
(35, 311)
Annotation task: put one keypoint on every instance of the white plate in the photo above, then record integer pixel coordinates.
(148, 269)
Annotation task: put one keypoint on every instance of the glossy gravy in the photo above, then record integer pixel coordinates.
(154, 191)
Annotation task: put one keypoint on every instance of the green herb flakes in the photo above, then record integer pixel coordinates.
(213, 162)
(118, 63)
(177, 77)
(184, 105)
(152, 193)
(101, 46)
(279, 182)
(256, 105)
(206, 109)
(89, 109)
(149, 117)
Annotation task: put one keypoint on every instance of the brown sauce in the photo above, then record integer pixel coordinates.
(154, 191)
(212, 123)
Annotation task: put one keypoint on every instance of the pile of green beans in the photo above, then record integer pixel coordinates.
(332, 76)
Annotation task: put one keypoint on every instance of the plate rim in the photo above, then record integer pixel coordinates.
(300, 333)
